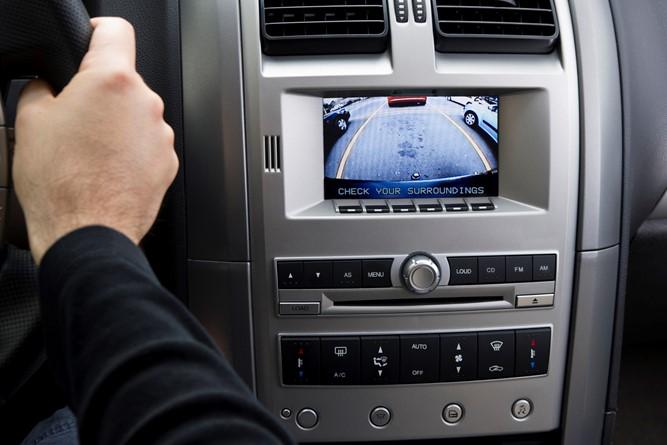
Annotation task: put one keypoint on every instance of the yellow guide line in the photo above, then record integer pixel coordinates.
(350, 146)
(479, 151)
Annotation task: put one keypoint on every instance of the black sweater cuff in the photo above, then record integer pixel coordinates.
(83, 245)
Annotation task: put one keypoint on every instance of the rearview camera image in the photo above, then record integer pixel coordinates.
(410, 146)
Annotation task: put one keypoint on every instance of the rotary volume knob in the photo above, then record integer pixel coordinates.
(421, 274)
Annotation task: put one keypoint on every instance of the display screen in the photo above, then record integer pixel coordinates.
(410, 147)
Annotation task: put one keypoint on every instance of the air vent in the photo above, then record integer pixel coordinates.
(272, 154)
(495, 26)
(297, 27)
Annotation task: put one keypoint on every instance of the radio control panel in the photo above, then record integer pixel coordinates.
(419, 272)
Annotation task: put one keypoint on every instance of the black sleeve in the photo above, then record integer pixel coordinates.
(136, 367)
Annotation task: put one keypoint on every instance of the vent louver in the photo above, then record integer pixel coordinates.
(272, 154)
(295, 27)
(495, 26)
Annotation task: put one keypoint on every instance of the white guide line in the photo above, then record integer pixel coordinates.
(353, 142)
(480, 153)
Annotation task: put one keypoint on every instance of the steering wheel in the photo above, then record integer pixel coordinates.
(46, 39)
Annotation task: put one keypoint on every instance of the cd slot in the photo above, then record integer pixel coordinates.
(419, 301)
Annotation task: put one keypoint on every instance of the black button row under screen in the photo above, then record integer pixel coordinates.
(334, 274)
(412, 208)
(502, 269)
(407, 359)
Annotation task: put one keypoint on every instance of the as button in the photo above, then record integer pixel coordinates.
(347, 273)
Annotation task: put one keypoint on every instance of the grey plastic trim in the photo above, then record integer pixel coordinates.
(599, 224)
(220, 298)
(660, 210)
(215, 162)
(590, 348)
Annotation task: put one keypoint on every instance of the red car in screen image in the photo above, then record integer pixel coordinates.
(406, 101)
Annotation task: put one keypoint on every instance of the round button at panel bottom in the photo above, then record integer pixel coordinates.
(307, 419)
(522, 409)
(452, 414)
(380, 417)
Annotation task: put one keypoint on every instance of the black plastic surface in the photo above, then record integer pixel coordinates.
(43, 37)
(474, 41)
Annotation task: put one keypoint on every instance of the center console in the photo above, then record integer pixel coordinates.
(412, 222)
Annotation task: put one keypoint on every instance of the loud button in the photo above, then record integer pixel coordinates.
(463, 270)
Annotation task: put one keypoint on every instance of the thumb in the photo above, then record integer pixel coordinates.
(35, 95)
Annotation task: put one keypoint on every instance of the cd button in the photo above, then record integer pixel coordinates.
(317, 274)
(377, 273)
(462, 270)
(347, 273)
(496, 354)
(492, 269)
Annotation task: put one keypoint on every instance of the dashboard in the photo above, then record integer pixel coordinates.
(407, 215)
(409, 221)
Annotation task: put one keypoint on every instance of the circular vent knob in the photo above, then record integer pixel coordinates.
(421, 274)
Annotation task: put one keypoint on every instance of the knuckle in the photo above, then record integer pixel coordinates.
(171, 136)
(157, 105)
(119, 79)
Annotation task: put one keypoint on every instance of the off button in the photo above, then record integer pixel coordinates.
(462, 270)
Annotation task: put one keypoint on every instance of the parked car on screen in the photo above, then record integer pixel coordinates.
(461, 100)
(483, 115)
(406, 101)
(336, 123)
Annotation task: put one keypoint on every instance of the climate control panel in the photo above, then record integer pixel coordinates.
(415, 358)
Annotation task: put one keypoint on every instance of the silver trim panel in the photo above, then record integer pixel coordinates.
(602, 126)
(219, 296)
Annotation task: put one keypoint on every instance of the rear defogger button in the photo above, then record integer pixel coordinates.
(463, 270)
